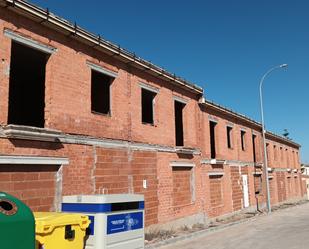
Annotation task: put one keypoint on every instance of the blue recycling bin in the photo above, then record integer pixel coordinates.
(117, 220)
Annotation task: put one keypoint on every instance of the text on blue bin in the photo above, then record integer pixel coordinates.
(118, 223)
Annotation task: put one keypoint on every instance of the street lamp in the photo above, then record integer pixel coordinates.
(263, 133)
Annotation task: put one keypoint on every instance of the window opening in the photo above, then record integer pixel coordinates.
(100, 92)
(229, 136)
(242, 137)
(212, 127)
(27, 86)
(179, 122)
(148, 106)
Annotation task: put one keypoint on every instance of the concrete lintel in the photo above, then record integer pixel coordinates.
(230, 163)
(181, 100)
(182, 164)
(148, 87)
(48, 135)
(213, 119)
(6, 159)
(102, 70)
(279, 169)
(257, 173)
(216, 174)
(31, 133)
(113, 143)
(29, 42)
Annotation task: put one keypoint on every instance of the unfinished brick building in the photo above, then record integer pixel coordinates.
(80, 115)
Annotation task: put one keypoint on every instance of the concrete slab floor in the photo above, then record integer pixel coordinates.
(284, 229)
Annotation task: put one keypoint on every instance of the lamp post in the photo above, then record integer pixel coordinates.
(263, 133)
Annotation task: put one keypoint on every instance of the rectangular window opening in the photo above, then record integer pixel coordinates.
(229, 136)
(242, 137)
(148, 106)
(254, 147)
(27, 86)
(100, 92)
(179, 123)
(212, 129)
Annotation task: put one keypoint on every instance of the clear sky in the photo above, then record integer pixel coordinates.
(224, 46)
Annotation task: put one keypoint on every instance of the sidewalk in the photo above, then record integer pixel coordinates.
(243, 231)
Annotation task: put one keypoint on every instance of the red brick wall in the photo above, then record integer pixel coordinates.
(182, 194)
(216, 191)
(92, 169)
(68, 100)
(33, 184)
(285, 158)
(272, 188)
(304, 185)
(123, 171)
(282, 196)
(166, 209)
(237, 193)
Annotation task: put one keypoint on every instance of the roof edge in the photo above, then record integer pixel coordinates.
(99, 43)
(248, 120)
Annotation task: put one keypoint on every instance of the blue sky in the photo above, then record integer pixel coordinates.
(223, 46)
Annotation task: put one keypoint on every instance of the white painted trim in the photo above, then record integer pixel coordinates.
(230, 163)
(149, 87)
(29, 42)
(270, 177)
(257, 173)
(231, 125)
(102, 70)
(31, 133)
(255, 133)
(212, 119)
(181, 100)
(102, 142)
(217, 161)
(216, 174)
(279, 170)
(33, 160)
(182, 164)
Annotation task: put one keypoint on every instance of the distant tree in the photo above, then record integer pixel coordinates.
(286, 134)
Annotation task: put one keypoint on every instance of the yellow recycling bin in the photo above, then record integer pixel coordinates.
(60, 230)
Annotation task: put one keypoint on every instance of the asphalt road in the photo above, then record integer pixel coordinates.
(284, 229)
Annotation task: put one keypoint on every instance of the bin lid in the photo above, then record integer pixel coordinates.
(46, 222)
(107, 198)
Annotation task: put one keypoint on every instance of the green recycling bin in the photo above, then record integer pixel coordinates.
(17, 225)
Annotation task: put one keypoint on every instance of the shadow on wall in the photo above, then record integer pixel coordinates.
(36, 144)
